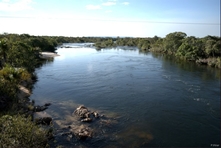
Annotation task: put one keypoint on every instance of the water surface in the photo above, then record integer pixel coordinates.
(154, 100)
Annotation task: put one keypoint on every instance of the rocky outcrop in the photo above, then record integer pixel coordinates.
(85, 114)
(82, 112)
(81, 124)
(82, 132)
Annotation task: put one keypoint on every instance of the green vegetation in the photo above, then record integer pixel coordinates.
(20, 132)
(19, 56)
(200, 50)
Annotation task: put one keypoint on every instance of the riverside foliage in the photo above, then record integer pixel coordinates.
(19, 56)
(204, 50)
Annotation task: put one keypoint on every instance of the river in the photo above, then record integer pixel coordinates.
(152, 100)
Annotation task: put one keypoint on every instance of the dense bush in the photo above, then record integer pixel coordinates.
(19, 132)
(10, 77)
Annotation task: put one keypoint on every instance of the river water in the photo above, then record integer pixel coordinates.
(151, 100)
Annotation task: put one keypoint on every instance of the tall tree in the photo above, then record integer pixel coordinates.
(3, 51)
(212, 47)
(173, 41)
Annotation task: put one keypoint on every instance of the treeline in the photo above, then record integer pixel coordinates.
(206, 50)
(19, 56)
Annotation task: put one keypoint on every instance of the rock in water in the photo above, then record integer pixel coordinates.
(83, 133)
(86, 120)
(47, 104)
(96, 115)
(40, 108)
(43, 120)
(81, 111)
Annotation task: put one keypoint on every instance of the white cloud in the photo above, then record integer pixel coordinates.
(110, 3)
(7, 5)
(125, 3)
(93, 7)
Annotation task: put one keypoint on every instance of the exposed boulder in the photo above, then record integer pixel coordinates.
(81, 111)
(96, 115)
(86, 120)
(84, 113)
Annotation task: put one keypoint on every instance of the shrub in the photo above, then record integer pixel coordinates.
(218, 62)
(19, 132)
(211, 62)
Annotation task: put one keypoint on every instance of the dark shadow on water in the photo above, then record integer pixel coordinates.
(206, 72)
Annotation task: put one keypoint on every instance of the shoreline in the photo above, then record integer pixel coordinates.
(45, 55)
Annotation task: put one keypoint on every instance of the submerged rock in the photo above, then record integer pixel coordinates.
(83, 124)
(82, 132)
(47, 104)
(40, 108)
(43, 120)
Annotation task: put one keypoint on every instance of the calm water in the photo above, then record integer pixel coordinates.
(151, 100)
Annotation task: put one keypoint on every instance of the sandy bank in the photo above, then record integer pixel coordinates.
(48, 54)
(23, 92)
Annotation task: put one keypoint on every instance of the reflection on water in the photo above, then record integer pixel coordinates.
(150, 100)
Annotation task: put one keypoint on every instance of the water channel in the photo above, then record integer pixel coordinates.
(151, 100)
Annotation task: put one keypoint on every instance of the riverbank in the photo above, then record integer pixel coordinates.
(18, 121)
(45, 55)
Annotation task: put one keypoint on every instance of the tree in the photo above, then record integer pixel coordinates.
(190, 49)
(144, 44)
(172, 42)
(157, 46)
(21, 54)
(212, 47)
(3, 51)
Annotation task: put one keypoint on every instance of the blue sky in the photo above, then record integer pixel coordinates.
(134, 18)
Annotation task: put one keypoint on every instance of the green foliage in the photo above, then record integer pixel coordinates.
(214, 62)
(218, 62)
(104, 44)
(212, 47)
(190, 49)
(157, 46)
(144, 44)
(20, 132)
(21, 54)
(3, 51)
(43, 43)
(10, 77)
(172, 42)
(176, 43)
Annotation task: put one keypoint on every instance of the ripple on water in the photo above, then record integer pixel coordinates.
(153, 99)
